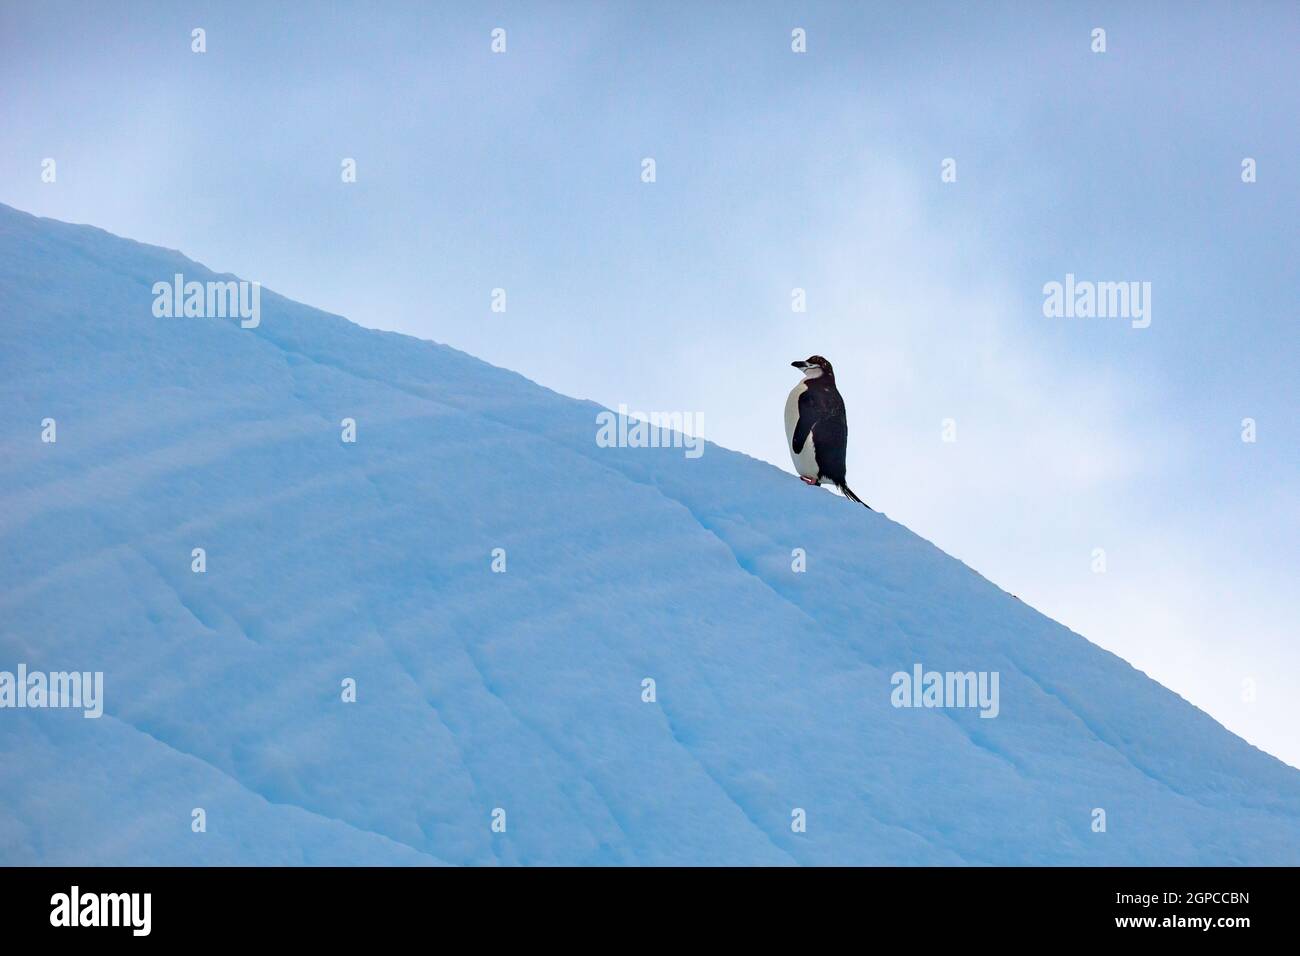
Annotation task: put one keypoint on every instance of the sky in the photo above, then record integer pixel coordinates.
(774, 171)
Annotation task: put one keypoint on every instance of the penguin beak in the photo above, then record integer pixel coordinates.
(799, 365)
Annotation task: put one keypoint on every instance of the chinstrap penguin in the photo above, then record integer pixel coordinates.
(816, 427)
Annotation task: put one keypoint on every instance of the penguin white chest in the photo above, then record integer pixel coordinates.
(805, 461)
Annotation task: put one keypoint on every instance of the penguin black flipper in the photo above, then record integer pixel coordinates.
(814, 407)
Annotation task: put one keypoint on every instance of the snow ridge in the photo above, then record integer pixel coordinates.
(520, 690)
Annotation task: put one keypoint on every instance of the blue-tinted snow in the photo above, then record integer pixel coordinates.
(519, 690)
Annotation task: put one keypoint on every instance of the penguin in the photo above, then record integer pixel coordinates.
(817, 428)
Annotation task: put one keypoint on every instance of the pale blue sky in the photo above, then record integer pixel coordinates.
(778, 170)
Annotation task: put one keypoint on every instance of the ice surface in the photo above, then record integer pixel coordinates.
(518, 690)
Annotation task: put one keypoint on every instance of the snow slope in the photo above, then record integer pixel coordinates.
(521, 690)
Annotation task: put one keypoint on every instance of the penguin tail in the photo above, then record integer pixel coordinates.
(848, 493)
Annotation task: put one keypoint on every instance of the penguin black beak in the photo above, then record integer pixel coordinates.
(799, 365)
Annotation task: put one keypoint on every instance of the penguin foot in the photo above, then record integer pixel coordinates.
(807, 481)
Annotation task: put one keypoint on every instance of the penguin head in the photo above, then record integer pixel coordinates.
(814, 367)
